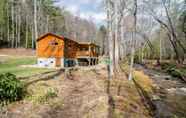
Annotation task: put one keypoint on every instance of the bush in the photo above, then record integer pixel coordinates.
(175, 73)
(172, 70)
(167, 66)
(43, 95)
(51, 93)
(11, 89)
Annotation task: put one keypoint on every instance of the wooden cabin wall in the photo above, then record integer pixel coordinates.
(71, 48)
(45, 50)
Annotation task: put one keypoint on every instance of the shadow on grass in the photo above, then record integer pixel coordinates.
(36, 75)
(146, 99)
(111, 102)
(43, 77)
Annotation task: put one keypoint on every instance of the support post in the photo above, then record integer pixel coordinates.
(89, 50)
(77, 63)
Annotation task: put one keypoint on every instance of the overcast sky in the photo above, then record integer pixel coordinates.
(87, 9)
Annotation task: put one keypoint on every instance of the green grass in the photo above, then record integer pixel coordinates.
(13, 65)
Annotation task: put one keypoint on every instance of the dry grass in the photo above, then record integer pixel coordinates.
(17, 52)
(81, 96)
(128, 102)
(144, 81)
(85, 96)
(42, 94)
(141, 78)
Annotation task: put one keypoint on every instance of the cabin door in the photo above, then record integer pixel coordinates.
(58, 62)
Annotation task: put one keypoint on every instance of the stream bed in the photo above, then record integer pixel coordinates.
(169, 98)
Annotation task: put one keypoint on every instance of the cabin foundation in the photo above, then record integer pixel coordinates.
(46, 62)
(87, 61)
(50, 62)
(70, 62)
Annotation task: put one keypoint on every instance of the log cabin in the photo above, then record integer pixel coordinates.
(58, 51)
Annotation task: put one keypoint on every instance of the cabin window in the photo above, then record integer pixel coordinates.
(53, 43)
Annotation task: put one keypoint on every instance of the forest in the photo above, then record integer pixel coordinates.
(160, 26)
(146, 30)
(132, 54)
(23, 21)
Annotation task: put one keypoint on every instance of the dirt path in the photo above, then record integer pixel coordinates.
(83, 95)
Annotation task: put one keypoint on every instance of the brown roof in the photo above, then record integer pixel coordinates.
(47, 34)
(88, 43)
(70, 39)
(65, 38)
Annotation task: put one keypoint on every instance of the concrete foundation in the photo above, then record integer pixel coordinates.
(70, 62)
(46, 62)
(87, 61)
(51, 62)
(66, 62)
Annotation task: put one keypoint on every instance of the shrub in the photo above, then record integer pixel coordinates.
(172, 70)
(43, 95)
(11, 89)
(167, 66)
(175, 73)
(51, 93)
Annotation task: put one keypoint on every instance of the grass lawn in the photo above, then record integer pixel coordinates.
(13, 65)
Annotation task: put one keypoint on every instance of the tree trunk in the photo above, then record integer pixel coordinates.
(47, 24)
(160, 46)
(110, 38)
(116, 39)
(12, 16)
(35, 23)
(133, 40)
(172, 29)
(8, 25)
(16, 31)
(26, 35)
(19, 27)
(174, 47)
(132, 58)
(33, 40)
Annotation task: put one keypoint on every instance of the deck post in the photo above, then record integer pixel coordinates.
(89, 49)
(77, 63)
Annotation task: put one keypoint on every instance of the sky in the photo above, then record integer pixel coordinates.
(86, 9)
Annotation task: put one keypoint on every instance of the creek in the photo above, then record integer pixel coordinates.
(169, 97)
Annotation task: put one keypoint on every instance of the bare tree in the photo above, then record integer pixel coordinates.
(12, 19)
(110, 36)
(35, 20)
(169, 27)
(133, 39)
